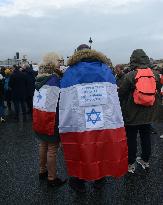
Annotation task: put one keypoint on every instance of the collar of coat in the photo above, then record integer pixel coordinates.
(56, 72)
(88, 56)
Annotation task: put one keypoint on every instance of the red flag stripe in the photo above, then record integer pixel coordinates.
(44, 122)
(94, 154)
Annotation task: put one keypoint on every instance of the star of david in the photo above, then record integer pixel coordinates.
(39, 97)
(93, 116)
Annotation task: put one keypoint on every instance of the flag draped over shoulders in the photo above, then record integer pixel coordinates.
(44, 106)
(90, 123)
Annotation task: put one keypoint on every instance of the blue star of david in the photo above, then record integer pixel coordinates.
(91, 114)
(39, 97)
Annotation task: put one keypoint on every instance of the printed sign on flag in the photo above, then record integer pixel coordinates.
(92, 94)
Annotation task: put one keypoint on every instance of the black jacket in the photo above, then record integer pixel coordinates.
(30, 75)
(18, 84)
(1, 89)
(136, 114)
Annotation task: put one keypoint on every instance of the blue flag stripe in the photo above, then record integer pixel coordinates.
(87, 72)
(53, 81)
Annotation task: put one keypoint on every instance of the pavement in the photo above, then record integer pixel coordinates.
(19, 167)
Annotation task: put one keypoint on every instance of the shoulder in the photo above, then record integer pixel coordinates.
(42, 77)
(130, 76)
(157, 76)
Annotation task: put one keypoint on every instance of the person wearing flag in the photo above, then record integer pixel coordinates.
(45, 121)
(90, 120)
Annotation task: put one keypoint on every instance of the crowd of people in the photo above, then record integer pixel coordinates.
(93, 110)
(17, 85)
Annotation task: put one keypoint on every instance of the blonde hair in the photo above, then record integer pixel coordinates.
(51, 58)
(7, 71)
(50, 63)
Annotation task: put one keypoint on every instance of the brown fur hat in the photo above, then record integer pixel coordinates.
(88, 55)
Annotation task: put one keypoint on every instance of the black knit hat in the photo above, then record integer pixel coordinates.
(83, 47)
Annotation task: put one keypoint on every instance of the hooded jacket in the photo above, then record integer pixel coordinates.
(137, 114)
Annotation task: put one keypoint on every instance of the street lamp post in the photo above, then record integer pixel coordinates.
(90, 42)
(8, 61)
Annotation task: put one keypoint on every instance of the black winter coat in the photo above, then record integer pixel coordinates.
(1, 89)
(30, 75)
(18, 85)
(136, 114)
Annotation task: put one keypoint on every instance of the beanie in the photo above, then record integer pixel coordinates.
(83, 47)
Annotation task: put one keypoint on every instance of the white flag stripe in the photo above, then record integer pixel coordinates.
(72, 90)
(72, 116)
(46, 98)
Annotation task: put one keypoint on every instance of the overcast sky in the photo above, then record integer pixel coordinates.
(117, 27)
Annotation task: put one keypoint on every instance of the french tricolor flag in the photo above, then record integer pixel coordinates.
(91, 123)
(44, 106)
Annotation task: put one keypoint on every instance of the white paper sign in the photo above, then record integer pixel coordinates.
(40, 98)
(94, 117)
(94, 94)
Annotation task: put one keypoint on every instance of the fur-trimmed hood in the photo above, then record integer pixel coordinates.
(88, 55)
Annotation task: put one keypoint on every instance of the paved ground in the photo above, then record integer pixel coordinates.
(19, 184)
